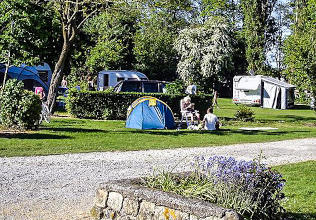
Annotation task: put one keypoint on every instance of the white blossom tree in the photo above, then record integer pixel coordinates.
(205, 52)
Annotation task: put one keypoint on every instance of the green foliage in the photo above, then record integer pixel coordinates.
(300, 50)
(256, 26)
(29, 30)
(244, 113)
(19, 109)
(154, 52)
(229, 9)
(111, 35)
(175, 87)
(108, 105)
(206, 53)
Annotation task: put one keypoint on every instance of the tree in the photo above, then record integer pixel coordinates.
(230, 9)
(257, 27)
(153, 49)
(158, 28)
(300, 48)
(282, 11)
(72, 16)
(206, 53)
(113, 33)
(29, 29)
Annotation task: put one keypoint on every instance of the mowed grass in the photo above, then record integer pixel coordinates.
(68, 135)
(300, 189)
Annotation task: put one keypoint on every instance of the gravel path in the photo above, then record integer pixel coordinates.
(63, 186)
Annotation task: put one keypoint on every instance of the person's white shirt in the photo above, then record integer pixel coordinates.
(210, 121)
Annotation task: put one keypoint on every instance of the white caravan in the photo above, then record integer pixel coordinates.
(263, 91)
(109, 78)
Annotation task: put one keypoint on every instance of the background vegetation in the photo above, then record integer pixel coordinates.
(105, 105)
(269, 37)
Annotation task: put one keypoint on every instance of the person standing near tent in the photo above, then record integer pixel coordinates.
(210, 121)
(215, 100)
(40, 92)
(64, 83)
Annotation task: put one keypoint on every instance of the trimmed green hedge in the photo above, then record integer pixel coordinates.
(109, 105)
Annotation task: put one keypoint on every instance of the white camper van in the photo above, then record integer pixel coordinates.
(109, 78)
(263, 91)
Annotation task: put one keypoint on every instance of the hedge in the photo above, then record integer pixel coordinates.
(109, 105)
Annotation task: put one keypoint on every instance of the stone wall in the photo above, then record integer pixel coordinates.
(127, 200)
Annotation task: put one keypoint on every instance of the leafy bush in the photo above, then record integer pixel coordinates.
(244, 113)
(19, 109)
(175, 87)
(109, 105)
(248, 187)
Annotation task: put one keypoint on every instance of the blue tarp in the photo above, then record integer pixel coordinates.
(150, 113)
(24, 72)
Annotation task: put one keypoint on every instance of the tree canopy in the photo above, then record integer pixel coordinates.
(205, 52)
(205, 42)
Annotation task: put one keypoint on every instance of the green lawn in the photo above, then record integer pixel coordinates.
(300, 189)
(67, 135)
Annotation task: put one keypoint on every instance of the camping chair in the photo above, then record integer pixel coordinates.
(186, 115)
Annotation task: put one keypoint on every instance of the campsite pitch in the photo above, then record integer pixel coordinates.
(68, 135)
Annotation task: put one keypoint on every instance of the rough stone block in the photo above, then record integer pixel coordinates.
(109, 214)
(126, 217)
(193, 217)
(230, 215)
(181, 215)
(101, 196)
(115, 201)
(146, 211)
(165, 213)
(130, 206)
(159, 213)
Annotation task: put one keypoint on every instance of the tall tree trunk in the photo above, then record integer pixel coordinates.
(57, 75)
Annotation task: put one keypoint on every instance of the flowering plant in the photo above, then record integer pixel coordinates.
(249, 187)
(260, 186)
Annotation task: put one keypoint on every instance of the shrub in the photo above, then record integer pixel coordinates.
(175, 87)
(248, 187)
(109, 105)
(19, 109)
(244, 113)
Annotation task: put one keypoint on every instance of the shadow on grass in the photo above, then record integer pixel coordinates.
(300, 216)
(297, 118)
(219, 132)
(304, 107)
(71, 129)
(33, 136)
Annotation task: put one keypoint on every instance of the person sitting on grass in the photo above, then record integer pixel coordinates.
(210, 121)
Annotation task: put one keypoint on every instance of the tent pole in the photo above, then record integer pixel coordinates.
(8, 61)
(6, 72)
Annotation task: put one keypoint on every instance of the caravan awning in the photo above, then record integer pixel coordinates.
(277, 82)
(249, 84)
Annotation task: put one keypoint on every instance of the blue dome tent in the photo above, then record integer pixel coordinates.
(24, 73)
(149, 113)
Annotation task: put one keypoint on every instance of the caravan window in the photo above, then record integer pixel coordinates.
(150, 87)
(106, 80)
(132, 86)
(120, 79)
